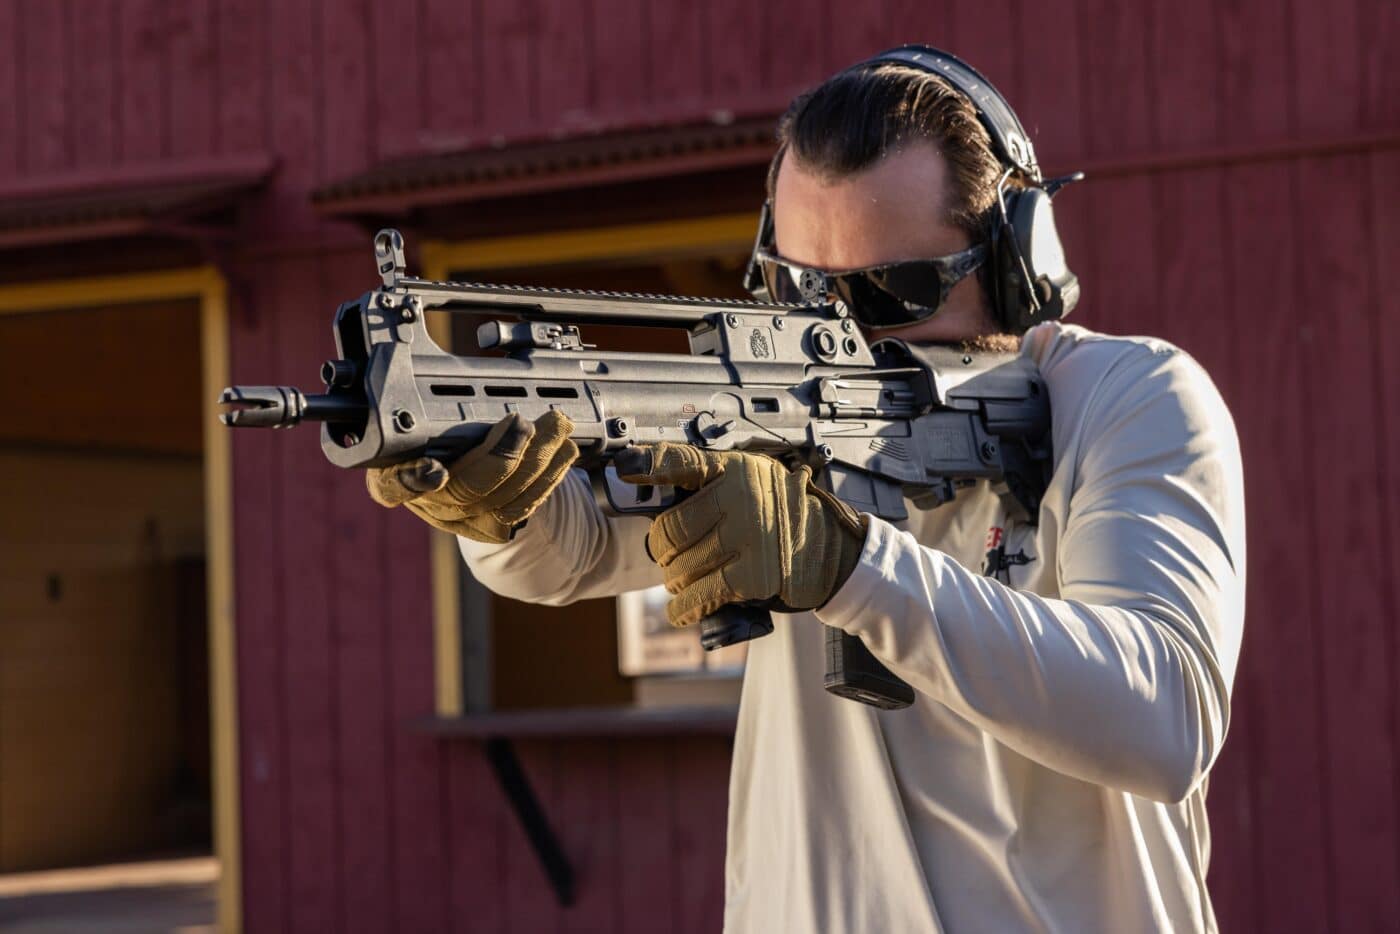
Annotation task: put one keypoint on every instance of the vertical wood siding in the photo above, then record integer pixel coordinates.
(1273, 272)
(258, 583)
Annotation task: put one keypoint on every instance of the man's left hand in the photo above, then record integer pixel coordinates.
(754, 531)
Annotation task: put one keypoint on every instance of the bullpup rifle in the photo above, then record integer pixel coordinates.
(877, 422)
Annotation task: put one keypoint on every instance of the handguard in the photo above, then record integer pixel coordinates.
(878, 424)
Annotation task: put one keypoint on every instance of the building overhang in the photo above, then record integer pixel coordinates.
(189, 201)
(422, 190)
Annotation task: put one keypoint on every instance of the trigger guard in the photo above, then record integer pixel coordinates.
(661, 498)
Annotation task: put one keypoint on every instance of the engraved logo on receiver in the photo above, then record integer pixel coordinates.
(758, 344)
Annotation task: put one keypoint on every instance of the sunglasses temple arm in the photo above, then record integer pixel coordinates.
(753, 275)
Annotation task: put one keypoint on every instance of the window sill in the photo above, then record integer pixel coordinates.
(579, 722)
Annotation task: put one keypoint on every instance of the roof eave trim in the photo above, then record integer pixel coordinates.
(391, 203)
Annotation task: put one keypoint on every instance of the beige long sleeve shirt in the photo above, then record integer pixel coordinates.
(1073, 679)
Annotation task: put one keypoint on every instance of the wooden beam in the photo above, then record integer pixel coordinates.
(92, 291)
(638, 241)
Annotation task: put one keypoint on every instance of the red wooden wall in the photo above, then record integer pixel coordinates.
(1248, 164)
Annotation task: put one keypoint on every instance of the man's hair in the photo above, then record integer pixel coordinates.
(856, 118)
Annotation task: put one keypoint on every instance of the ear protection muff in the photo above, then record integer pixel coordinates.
(1028, 279)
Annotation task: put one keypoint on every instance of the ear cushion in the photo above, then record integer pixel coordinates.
(1034, 283)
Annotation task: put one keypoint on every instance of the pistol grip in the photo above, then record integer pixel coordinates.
(734, 623)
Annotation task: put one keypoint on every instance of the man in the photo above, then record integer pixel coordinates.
(1072, 675)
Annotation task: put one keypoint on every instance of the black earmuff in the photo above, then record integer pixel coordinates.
(1028, 279)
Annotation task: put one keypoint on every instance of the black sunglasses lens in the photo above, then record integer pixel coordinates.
(879, 297)
(782, 282)
(875, 307)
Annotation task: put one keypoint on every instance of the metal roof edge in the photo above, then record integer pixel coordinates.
(244, 166)
(475, 173)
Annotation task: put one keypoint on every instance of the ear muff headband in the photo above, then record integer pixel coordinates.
(1009, 140)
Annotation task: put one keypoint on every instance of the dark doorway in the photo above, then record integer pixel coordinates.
(104, 683)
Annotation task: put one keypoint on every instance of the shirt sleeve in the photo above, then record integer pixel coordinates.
(569, 550)
(1124, 679)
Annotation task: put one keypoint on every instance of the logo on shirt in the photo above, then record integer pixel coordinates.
(999, 562)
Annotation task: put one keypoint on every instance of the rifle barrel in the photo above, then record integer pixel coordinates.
(283, 407)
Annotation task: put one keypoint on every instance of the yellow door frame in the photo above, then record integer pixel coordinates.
(692, 237)
(206, 286)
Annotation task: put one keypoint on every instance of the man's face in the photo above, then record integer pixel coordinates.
(891, 211)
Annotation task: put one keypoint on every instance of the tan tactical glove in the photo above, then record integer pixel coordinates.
(493, 487)
(755, 531)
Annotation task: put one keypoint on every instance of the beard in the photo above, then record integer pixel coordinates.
(991, 343)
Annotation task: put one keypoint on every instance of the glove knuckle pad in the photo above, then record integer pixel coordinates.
(701, 560)
(515, 434)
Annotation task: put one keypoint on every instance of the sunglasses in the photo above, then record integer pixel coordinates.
(885, 296)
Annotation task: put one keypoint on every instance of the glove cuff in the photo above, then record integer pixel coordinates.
(844, 534)
(851, 543)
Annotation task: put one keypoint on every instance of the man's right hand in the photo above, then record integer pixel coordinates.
(492, 488)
